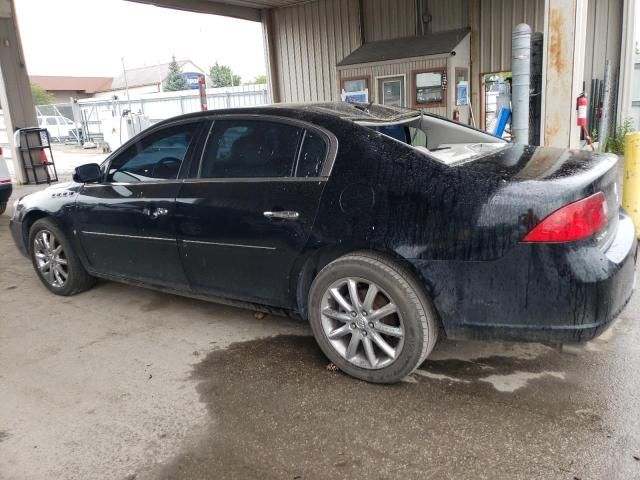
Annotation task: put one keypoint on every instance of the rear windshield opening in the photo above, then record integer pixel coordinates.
(445, 141)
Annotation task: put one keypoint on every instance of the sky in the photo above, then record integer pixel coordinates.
(90, 37)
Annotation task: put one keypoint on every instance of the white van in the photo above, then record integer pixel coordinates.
(60, 128)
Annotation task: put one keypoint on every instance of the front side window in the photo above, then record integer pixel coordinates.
(157, 156)
(250, 149)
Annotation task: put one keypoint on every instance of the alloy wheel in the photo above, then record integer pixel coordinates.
(362, 323)
(50, 259)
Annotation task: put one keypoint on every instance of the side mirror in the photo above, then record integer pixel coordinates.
(88, 173)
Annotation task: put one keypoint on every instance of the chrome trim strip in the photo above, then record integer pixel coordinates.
(217, 244)
(257, 180)
(137, 237)
(178, 181)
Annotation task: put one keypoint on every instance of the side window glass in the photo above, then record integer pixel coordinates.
(156, 157)
(249, 149)
(312, 155)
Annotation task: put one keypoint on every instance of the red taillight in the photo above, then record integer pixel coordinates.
(572, 222)
(0, 151)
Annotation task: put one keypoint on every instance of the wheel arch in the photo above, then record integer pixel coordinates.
(321, 258)
(27, 222)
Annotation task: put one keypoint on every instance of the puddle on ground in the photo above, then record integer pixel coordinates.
(277, 412)
(517, 380)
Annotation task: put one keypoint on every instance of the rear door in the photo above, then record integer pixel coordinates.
(126, 224)
(247, 214)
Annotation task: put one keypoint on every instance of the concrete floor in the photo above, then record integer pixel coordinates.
(126, 383)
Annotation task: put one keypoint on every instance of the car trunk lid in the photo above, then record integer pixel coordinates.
(552, 178)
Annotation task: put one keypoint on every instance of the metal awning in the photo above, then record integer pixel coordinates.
(244, 9)
(410, 47)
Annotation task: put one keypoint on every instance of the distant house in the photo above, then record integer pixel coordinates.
(63, 88)
(144, 80)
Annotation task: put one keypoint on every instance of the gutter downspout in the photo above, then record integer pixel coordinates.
(363, 32)
(625, 81)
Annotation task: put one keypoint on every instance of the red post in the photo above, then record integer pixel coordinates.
(203, 94)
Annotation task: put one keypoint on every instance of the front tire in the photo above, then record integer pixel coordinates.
(371, 317)
(54, 260)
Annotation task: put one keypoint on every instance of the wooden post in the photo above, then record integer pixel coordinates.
(563, 70)
(15, 89)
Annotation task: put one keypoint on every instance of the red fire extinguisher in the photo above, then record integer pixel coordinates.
(456, 115)
(582, 107)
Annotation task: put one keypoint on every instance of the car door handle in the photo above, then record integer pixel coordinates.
(283, 215)
(156, 212)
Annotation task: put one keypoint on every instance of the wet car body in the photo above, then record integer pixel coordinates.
(458, 228)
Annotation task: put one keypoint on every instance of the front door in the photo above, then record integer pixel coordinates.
(126, 224)
(391, 91)
(246, 219)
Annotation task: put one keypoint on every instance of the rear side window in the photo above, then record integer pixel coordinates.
(312, 155)
(250, 149)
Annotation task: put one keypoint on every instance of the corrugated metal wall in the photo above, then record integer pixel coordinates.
(604, 33)
(497, 19)
(448, 14)
(386, 19)
(310, 39)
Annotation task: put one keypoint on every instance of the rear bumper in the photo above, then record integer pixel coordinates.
(5, 192)
(551, 293)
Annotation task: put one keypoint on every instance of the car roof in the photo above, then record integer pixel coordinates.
(356, 112)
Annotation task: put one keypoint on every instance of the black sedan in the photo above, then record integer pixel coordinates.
(383, 227)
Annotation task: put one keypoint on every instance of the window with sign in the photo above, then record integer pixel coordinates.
(355, 89)
(462, 86)
(430, 88)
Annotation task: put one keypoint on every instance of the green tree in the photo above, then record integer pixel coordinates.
(40, 95)
(175, 81)
(223, 76)
(259, 80)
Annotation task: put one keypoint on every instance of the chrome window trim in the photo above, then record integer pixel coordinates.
(330, 138)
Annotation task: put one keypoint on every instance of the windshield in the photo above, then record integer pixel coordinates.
(443, 140)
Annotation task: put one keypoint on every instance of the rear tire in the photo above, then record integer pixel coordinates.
(371, 317)
(3, 207)
(54, 260)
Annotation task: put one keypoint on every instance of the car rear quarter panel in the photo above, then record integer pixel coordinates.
(460, 230)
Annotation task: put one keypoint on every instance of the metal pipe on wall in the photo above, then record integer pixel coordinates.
(603, 128)
(520, 81)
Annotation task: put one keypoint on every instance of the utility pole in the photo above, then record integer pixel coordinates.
(126, 84)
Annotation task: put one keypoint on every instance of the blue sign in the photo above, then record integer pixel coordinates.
(193, 79)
